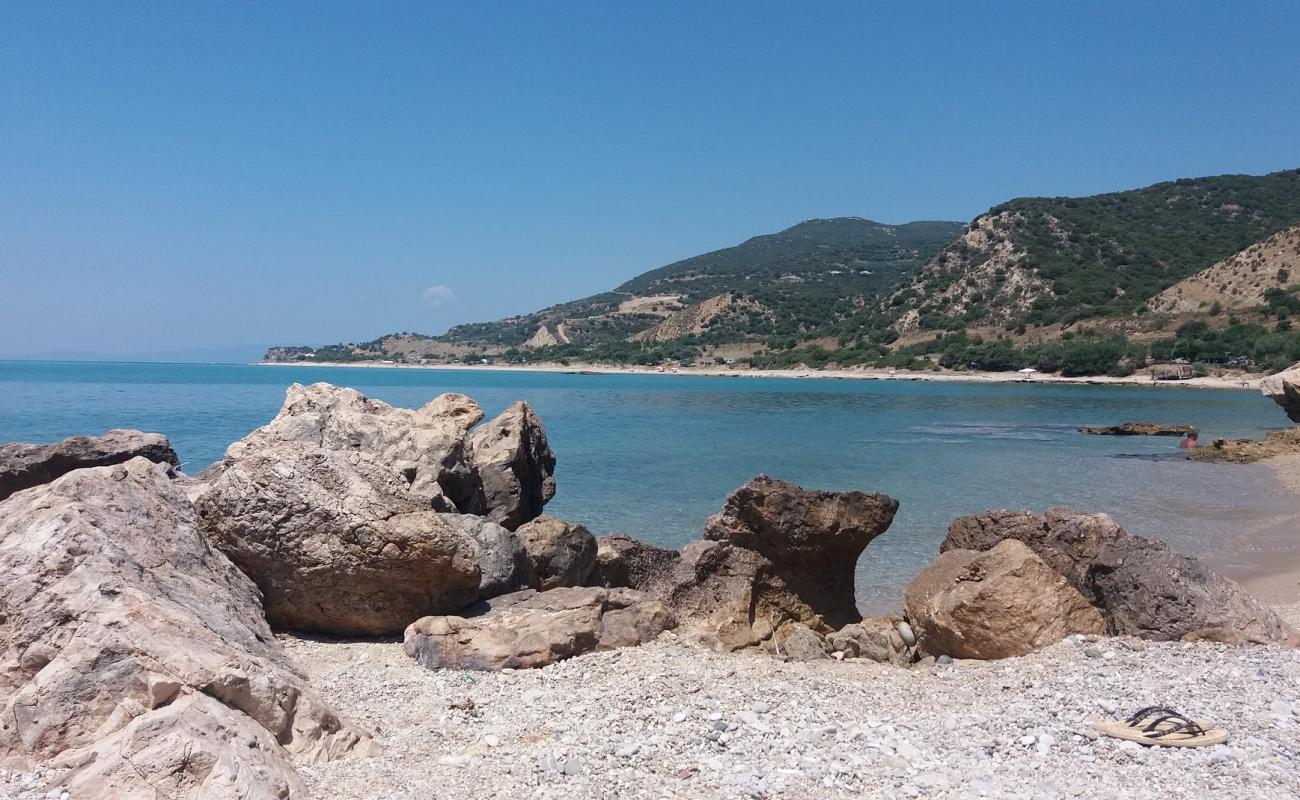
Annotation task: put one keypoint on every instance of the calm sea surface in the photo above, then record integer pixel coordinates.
(654, 455)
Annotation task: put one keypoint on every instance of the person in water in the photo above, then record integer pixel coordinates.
(1189, 440)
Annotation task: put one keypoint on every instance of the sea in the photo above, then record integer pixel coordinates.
(653, 455)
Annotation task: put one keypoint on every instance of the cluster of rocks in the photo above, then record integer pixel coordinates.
(1140, 429)
(139, 603)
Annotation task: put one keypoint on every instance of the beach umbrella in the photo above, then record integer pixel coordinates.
(1027, 371)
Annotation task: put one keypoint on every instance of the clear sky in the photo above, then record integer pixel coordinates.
(190, 179)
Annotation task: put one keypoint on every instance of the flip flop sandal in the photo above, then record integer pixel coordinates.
(1164, 727)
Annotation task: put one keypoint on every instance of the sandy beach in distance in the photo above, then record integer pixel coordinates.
(1239, 382)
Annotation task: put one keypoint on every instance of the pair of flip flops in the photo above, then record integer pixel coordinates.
(1165, 727)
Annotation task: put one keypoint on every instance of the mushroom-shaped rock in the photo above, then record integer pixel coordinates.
(560, 553)
(1001, 603)
(812, 538)
(137, 657)
(533, 629)
(23, 466)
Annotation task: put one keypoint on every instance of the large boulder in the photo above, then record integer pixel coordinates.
(559, 553)
(515, 466)
(136, 657)
(532, 629)
(1141, 587)
(813, 539)
(23, 466)
(355, 517)
(1284, 389)
(996, 604)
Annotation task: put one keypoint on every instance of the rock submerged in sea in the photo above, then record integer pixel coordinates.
(136, 659)
(23, 466)
(354, 517)
(1140, 429)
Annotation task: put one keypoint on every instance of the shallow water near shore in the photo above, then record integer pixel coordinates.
(655, 455)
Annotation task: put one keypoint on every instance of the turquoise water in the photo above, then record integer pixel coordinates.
(654, 455)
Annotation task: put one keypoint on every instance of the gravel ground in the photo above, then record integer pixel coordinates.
(672, 719)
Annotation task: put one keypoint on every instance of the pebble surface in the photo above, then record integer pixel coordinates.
(672, 719)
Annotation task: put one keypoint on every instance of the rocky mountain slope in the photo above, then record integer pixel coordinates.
(1043, 260)
(1243, 280)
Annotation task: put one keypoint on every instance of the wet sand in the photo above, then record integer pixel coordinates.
(1270, 568)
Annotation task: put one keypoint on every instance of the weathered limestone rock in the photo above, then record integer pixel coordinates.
(514, 464)
(559, 553)
(795, 641)
(624, 561)
(1141, 587)
(334, 508)
(1140, 429)
(996, 604)
(137, 656)
(1284, 389)
(874, 639)
(532, 629)
(813, 539)
(23, 466)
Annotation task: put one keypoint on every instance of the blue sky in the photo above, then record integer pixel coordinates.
(180, 178)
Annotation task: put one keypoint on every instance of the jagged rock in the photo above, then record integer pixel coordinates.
(874, 639)
(624, 561)
(334, 508)
(813, 539)
(1284, 389)
(532, 629)
(515, 465)
(996, 604)
(136, 656)
(795, 641)
(23, 466)
(1248, 451)
(1140, 429)
(1141, 587)
(560, 553)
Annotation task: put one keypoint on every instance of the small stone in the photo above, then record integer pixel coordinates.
(715, 716)
(1092, 651)
(680, 716)
(1280, 708)
(1045, 743)
(628, 750)
(572, 767)
(1028, 740)
(908, 750)
(454, 761)
(1107, 706)
(759, 708)
(719, 725)
(491, 741)
(943, 660)
(905, 630)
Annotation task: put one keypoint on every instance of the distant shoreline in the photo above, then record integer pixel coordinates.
(1238, 382)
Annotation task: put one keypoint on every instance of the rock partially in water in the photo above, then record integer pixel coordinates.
(1141, 587)
(23, 466)
(137, 657)
(995, 604)
(532, 629)
(1140, 429)
(1248, 451)
(1283, 388)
